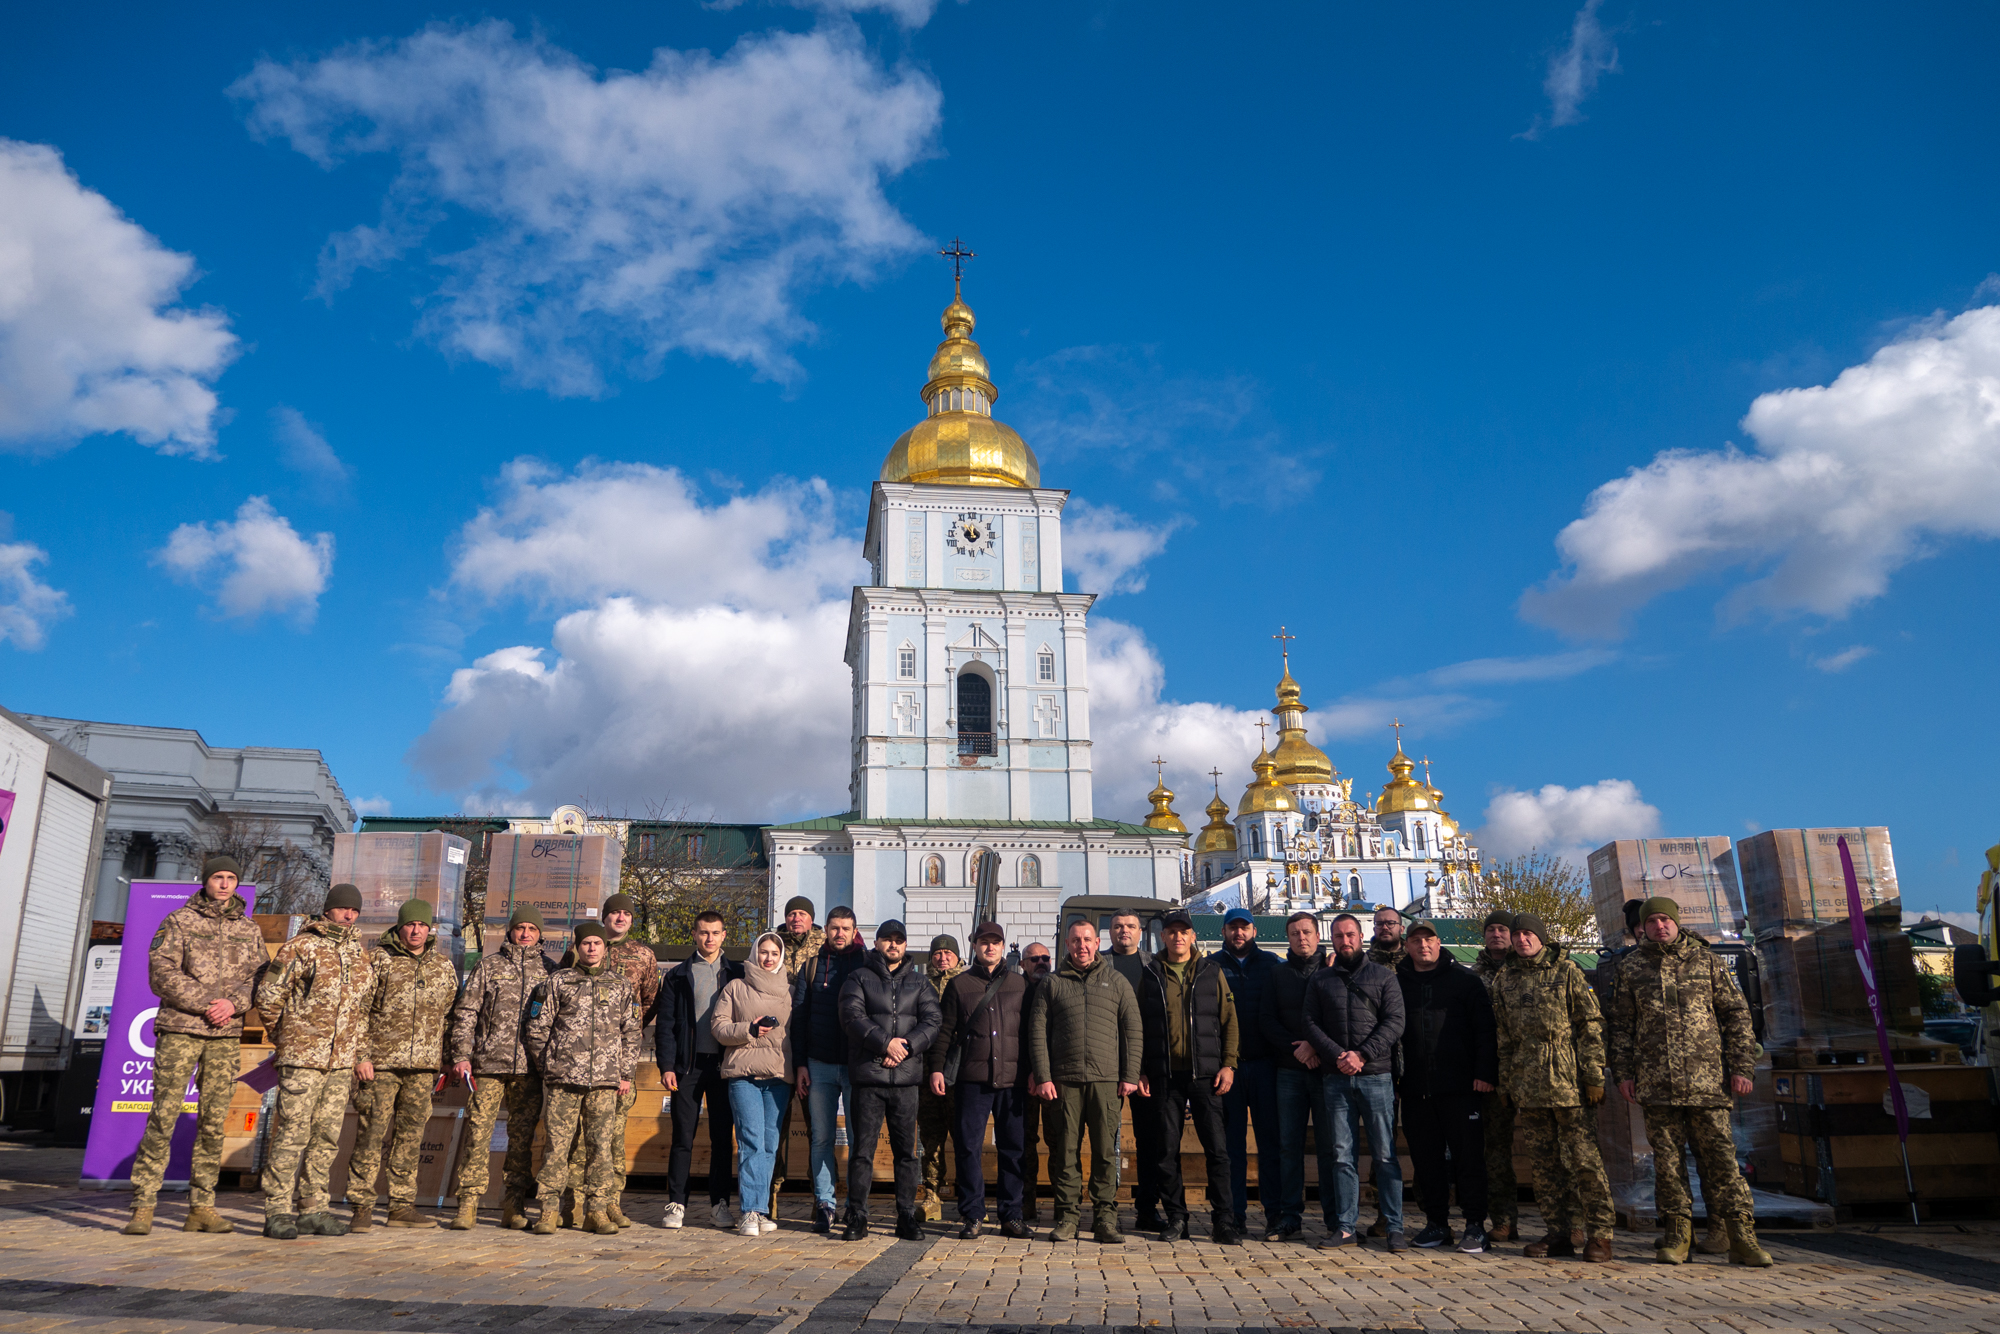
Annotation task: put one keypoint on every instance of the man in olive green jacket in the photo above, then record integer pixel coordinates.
(1084, 1049)
(415, 985)
(1683, 1048)
(1552, 1071)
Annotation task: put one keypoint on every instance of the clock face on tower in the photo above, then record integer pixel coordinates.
(971, 535)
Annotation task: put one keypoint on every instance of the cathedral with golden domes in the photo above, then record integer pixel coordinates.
(970, 793)
(1299, 841)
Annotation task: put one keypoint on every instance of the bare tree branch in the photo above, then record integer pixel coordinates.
(1549, 886)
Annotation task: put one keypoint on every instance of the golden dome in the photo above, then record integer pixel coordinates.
(1299, 761)
(959, 443)
(1163, 816)
(1404, 793)
(1265, 792)
(1218, 835)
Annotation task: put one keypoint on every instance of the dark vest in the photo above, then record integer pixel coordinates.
(1204, 1020)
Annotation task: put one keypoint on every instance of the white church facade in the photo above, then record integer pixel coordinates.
(971, 696)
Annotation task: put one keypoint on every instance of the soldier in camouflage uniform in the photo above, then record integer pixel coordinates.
(203, 962)
(1682, 1047)
(415, 985)
(314, 1000)
(638, 962)
(487, 1050)
(1388, 946)
(934, 1112)
(583, 1031)
(1552, 1069)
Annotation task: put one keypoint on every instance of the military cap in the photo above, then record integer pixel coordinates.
(591, 929)
(215, 864)
(1532, 922)
(526, 914)
(944, 943)
(416, 910)
(620, 903)
(798, 903)
(342, 896)
(1660, 905)
(1498, 917)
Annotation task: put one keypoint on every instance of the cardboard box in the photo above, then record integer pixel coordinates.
(1813, 991)
(1792, 877)
(1699, 874)
(567, 876)
(392, 869)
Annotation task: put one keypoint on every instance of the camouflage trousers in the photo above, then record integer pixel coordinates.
(570, 1112)
(579, 1158)
(1671, 1130)
(933, 1127)
(395, 1106)
(305, 1135)
(1503, 1193)
(1570, 1185)
(521, 1095)
(174, 1061)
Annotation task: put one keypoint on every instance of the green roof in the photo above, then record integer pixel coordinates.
(832, 823)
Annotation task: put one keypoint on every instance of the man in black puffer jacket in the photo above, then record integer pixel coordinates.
(1187, 1016)
(1253, 1098)
(1301, 1086)
(890, 1013)
(1450, 1057)
(819, 1050)
(1354, 1019)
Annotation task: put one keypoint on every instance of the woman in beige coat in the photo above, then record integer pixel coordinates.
(752, 1022)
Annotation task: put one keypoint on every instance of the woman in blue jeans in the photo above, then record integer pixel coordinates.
(752, 1018)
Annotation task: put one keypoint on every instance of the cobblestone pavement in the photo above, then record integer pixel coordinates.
(64, 1267)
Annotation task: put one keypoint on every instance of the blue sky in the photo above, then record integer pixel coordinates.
(488, 397)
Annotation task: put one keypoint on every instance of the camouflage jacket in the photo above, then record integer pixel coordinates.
(939, 978)
(1679, 1026)
(205, 951)
(1488, 963)
(1389, 957)
(641, 967)
(800, 950)
(407, 1010)
(1551, 1034)
(488, 1021)
(314, 997)
(583, 1027)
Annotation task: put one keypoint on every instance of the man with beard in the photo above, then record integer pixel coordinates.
(1131, 959)
(1301, 1087)
(819, 1051)
(982, 1011)
(934, 1110)
(1354, 1020)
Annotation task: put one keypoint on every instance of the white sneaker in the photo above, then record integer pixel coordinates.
(766, 1223)
(723, 1216)
(748, 1227)
(676, 1216)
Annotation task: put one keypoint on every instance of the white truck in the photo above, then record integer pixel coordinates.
(52, 810)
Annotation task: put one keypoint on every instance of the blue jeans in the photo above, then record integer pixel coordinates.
(1352, 1102)
(1252, 1098)
(759, 1108)
(825, 1096)
(1301, 1097)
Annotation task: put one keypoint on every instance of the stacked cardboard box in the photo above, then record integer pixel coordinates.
(1699, 874)
(567, 876)
(392, 869)
(1792, 877)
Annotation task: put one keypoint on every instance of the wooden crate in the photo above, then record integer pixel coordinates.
(1839, 1145)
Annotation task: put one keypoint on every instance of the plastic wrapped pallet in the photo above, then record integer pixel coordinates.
(1699, 874)
(392, 869)
(567, 876)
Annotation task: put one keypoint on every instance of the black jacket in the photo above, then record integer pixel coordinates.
(816, 1031)
(1358, 1009)
(1448, 1034)
(1281, 1014)
(1204, 1022)
(673, 1034)
(995, 1049)
(877, 1005)
(1248, 977)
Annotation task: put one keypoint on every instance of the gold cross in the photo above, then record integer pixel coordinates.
(1261, 737)
(1397, 723)
(1216, 774)
(1161, 765)
(958, 254)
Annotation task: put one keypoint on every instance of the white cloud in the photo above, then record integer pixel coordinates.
(613, 217)
(255, 564)
(1850, 482)
(372, 806)
(1499, 671)
(1570, 822)
(1575, 70)
(1841, 661)
(909, 13)
(1105, 549)
(618, 528)
(27, 605)
(303, 446)
(90, 340)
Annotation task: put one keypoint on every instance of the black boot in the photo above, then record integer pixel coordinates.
(857, 1226)
(1223, 1230)
(910, 1226)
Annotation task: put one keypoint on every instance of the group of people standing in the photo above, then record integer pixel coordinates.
(1351, 1040)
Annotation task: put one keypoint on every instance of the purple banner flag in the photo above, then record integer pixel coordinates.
(125, 1080)
(1866, 958)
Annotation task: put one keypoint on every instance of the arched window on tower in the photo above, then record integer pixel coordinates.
(1417, 836)
(1354, 886)
(1031, 872)
(1257, 841)
(975, 714)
